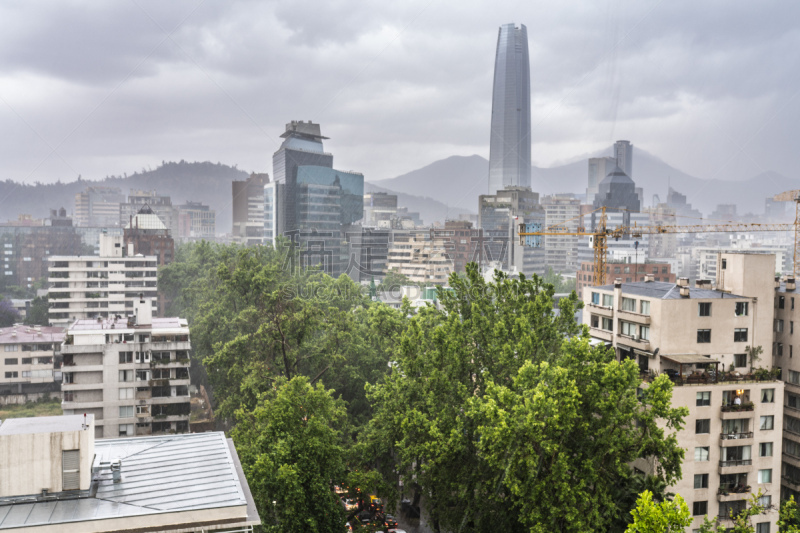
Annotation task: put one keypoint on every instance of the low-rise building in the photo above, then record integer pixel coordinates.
(131, 373)
(55, 477)
(628, 272)
(31, 360)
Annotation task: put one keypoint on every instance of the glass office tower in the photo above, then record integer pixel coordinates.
(510, 143)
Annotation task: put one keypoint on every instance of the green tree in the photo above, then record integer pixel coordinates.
(38, 312)
(742, 522)
(8, 315)
(291, 451)
(665, 517)
(557, 281)
(503, 418)
(393, 280)
(789, 519)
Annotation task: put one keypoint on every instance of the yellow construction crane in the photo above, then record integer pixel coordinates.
(601, 235)
(793, 196)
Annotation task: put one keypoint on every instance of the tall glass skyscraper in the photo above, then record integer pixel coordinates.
(510, 144)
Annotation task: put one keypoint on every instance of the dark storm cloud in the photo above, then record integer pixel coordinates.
(98, 88)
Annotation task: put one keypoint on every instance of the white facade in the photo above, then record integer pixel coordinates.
(29, 359)
(131, 373)
(102, 286)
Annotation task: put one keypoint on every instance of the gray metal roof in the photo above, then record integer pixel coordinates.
(668, 291)
(160, 475)
(43, 424)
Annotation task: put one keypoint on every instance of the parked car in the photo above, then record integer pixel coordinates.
(389, 522)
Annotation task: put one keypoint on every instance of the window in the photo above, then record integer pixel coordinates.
(12, 374)
(11, 347)
(12, 361)
(779, 347)
(70, 470)
(595, 321)
(699, 508)
(739, 360)
(702, 425)
(629, 304)
(608, 300)
(701, 481)
(125, 411)
(126, 375)
(142, 409)
(740, 335)
(765, 500)
(703, 398)
(765, 449)
(616, 270)
(703, 335)
(628, 328)
(741, 309)
(644, 307)
(767, 422)
(125, 357)
(126, 394)
(767, 395)
(765, 476)
(596, 298)
(778, 326)
(794, 377)
(781, 302)
(704, 309)
(142, 375)
(126, 430)
(644, 333)
(791, 327)
(701, 453)
(762, 527)
(724, 264)
(608, 324)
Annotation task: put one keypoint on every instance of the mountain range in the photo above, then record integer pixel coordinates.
(441, 190)
(457, 182)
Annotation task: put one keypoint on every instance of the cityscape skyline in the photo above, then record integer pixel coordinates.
(61, 109)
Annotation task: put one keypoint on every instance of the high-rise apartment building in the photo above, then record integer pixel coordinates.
(599, 168)
(499, 216)
(248, 209)
(623, 153)
(311, 203)
(92, 287)
(510, 140)
(422, 260)
(98, 206)
(562, 212)
(149, 236)
(618, 191)
(699, 337)
(131, 373)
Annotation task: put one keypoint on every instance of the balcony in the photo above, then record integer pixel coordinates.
(602, 334)
(630, 316)
(728, 493)
(600, 310)
(735, 462)
(636, 342)
(731, 436)
(744, 406)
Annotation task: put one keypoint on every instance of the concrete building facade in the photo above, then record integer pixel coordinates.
(31, 360)
(248, 209)
(561, 251)
(131, 373)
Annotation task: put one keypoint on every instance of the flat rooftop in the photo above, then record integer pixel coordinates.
(161, 476)
(22, 333)
(668, 291)
(43, 424)
(121, 324)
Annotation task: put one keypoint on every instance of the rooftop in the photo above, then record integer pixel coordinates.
(161, 476)
(93, 324)
(21, 333)
(668, 291)
(42, 424)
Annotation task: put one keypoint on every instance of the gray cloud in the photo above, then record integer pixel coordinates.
(709, 87)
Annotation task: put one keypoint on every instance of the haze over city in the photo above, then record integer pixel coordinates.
(104, 88)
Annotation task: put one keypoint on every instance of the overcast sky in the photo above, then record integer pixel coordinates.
(98, 88)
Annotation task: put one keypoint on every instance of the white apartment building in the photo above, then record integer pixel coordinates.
(31, 360)
(419, 257)
(103, 286)
(131, 373)
(733, 435)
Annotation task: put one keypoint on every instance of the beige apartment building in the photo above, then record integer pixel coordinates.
(131, 374)
(420, 257)
(787, 314)
(30, 366)
(698, 336)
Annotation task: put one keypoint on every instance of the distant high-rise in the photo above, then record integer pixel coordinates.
(599, 167)
(510, 143)
(623, 152)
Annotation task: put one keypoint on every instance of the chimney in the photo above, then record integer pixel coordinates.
(116, 470)
(143, 311)
(790, 285)
(648, 278)
(683, 282)
(685, 291)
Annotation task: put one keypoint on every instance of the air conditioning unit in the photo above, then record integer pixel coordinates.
(635, 337)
